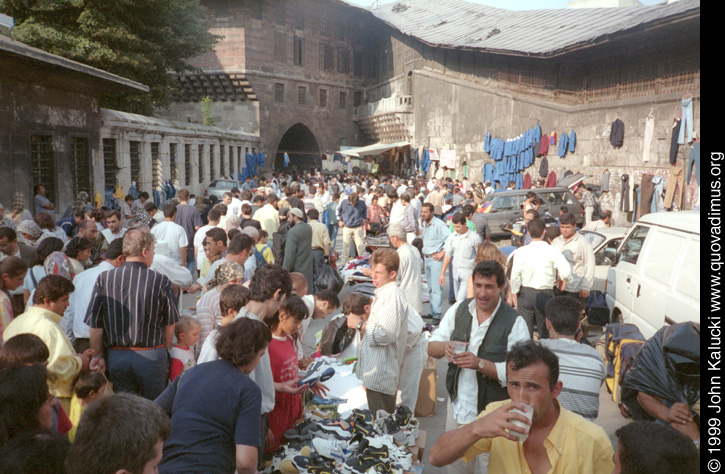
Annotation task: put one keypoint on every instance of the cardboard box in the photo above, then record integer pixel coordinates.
(419, 449)
(427, 391)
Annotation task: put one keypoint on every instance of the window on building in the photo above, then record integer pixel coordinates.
(279, 92)
(300, 22)
(135, 154)
(174, 172)
(323, 98)
(80, 165)
(202, 163)
(302, 95)
(223, 160)
(299, 51)
(212, 162)
(280, 47)
(157, 167)
(341, 32)
(187, 164)
(41, 155)
(280, 14)
(357, 99)
(324, 26)
(327, 58)
(343, 61)
(343, 100)
(358, 62)
(109, 163)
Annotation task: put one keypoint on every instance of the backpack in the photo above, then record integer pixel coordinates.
(279, 239)
(336, 336)
(597, 309)
(259, 256)
(622, 343)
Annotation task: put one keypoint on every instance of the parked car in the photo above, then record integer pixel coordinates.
(220, 186)
(605, 243)
(655, 279)
(506, 206)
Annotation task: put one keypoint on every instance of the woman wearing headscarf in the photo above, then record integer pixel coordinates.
(18, 213)
(30, 234)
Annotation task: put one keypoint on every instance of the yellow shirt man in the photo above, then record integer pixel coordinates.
(320, 236)
(573, 445)
(64, 363)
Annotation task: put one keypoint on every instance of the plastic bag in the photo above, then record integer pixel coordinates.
(328, 279)
(668, 365)
(336, 336)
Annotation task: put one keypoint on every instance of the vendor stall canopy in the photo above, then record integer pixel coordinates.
(372, 150)
(465, 25)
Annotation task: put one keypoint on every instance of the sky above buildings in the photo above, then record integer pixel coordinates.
(510, 4)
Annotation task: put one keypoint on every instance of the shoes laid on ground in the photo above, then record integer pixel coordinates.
(318, 371)
(362, 464)
(314, 463)
(328, 401)
(302, 431)
(339, 450)
(339, 429)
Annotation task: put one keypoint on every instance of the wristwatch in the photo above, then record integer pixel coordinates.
(480, 365)
(360, 325)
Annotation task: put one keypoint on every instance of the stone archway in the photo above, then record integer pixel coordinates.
(301, 145)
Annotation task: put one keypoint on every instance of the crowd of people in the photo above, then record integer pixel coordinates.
(96, 345)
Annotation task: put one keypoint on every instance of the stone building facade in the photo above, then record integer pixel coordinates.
(325, 74)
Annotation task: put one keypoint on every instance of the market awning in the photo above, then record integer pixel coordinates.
(372, 150)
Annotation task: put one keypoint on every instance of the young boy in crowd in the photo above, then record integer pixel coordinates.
(231, 301)
(262, 252)
(284, 324)
(89, 388)
(182, 353)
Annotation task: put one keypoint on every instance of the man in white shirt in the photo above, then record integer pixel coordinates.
(213, 217)
(234, 205)
(579, 253)
(604, 222)
(115, 228)
(80, 298)
(461, 247)
(397, 211)
(409, 270)
(534, 273)
(173, 234)
(268, 216)
(486, 328)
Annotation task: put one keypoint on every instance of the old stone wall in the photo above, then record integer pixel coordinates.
(456, 114)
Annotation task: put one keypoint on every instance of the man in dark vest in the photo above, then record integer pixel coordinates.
(485, 327)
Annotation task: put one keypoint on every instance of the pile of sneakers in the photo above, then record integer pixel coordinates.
(359, 444)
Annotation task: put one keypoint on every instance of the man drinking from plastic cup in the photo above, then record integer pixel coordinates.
(558, 441)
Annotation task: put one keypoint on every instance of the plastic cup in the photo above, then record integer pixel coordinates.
(459, 347)
(529, 413)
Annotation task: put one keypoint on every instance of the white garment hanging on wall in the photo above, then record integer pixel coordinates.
(649, 128)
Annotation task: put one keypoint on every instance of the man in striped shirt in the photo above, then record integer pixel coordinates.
(581, 367)
(384, 334)
(132, 313)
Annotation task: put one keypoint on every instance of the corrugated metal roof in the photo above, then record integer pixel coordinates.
(460, 24)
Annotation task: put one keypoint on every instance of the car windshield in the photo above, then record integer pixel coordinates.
(222, 184)
(594, 238)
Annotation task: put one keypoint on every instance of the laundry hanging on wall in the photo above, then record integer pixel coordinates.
(511, 156)
(616, 136)
(649, 129)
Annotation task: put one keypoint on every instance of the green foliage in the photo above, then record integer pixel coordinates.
(206, 116)
(142, 40)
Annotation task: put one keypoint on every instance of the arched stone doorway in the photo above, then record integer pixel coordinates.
(301, 145)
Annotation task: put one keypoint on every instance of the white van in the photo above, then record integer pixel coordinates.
(655, 279)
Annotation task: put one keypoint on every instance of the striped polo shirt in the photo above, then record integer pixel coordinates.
(133, 305)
